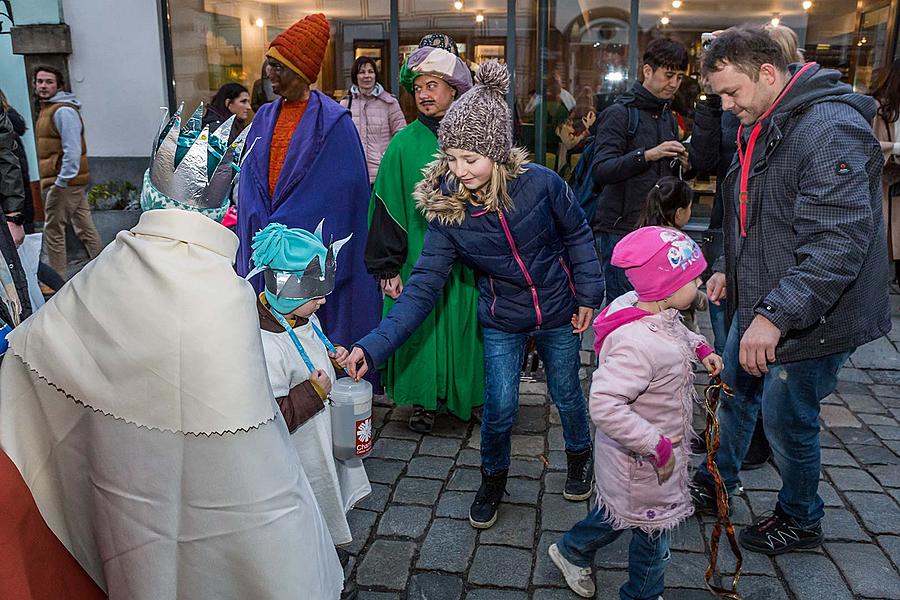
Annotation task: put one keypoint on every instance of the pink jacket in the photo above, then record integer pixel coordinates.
(642, 388)
(377, 118)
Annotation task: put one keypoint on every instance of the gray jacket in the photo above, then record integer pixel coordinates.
(814, 260)
(68, 123)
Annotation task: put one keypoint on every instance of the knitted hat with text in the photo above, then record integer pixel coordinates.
(479, 120)
(302, 46)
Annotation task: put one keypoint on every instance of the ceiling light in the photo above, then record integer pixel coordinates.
(664, 20)
(479, 18)
(676, 3)
(259, 22)
(776, 20)
(458, 5)
(807, 4)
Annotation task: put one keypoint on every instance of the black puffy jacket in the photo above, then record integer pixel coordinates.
(619, 164)
(536, 262)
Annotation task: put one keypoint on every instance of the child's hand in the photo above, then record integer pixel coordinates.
(321, 379)
(663, 460)
(713, 364)
(340, 354)
(582, 319)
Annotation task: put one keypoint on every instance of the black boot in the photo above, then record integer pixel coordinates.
(760, 452)
(483, 513)
(580, 476)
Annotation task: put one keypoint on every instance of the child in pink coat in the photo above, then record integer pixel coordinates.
(641, 400)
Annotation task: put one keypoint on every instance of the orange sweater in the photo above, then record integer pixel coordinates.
(288, 120)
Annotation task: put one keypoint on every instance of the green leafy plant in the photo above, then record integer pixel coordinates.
(116, 194)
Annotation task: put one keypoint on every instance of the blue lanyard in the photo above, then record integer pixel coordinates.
(290, 330)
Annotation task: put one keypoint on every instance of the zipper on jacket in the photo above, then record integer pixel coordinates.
(493, 295)
(568, 275)
(528, 280)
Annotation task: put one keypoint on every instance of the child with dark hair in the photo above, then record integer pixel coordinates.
(669, 205)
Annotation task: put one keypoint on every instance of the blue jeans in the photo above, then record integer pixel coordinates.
(616, 282)
(503, 356)
(648, 555)
(718, 314)
(789, 396)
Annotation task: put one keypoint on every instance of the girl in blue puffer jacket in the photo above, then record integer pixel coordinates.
(519, 227)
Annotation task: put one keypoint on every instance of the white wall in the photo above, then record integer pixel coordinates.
(117, 73)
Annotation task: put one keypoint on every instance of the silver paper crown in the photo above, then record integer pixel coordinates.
(204, 175)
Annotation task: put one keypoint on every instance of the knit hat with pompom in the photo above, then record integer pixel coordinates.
(479, 120)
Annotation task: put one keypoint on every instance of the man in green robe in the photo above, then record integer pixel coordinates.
(443, 362)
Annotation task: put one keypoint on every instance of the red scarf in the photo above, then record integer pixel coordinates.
(746, 158)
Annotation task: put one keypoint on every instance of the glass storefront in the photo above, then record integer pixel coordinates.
(571, 57)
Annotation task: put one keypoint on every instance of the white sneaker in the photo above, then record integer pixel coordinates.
(579, 579)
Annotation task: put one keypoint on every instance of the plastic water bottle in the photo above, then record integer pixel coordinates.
(351, 418)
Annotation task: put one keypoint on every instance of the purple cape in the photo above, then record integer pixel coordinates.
(324, 177)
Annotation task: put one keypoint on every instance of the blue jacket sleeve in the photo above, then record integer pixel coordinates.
(420, 293)
(613, 162)
(579, 242)
(834, 224)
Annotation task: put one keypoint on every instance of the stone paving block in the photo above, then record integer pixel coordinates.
(688, 536)
(840, 524)
(885, 391)
(761, 501)
(891, 546)
(386, 565)
(469, 458)
(829, 495)
(531, 446)
(812, 576)
(526, 467)
(450, 426)
(854, 436)
(854, 375)
(545, 572)
(515, 527)
(378, 596)
(873, 455)
(879, 512)
(867, 569)
(412, 490)
(877, 354)
(740, 511)
(754, 563)
(474, 440)
(554, 416)
(829, 440)
(522, 491)
(466, 480)
(891, 432)
(438, 446)
(557, 461)
(558, 514)
(532, 400)
(501, 566)
(877, 419)
(531, 419)
(761, 588)
(395, 449)
(610, 580)
(852, 480)
(432, 586)
(862, 403)
(891, 377)
(379, 416)
(448, 546)
(686, 570)
(377, 500)
(555, 483)
(555, 439)
(492, 594)
(404, 521)
(361, 523)
(383, 471)
(894, 445)
(431, 467)
(838, 416)
(553, 594)
(764, 478)
(614, 555)
(851, 387)
(399, 430)
(533, 387)
(836, 457)
(455, 504)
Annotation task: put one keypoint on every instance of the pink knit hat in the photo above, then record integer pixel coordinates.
(658, 261)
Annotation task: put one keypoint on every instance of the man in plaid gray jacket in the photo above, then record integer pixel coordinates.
(805, 270)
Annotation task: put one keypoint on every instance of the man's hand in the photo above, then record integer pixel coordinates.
(665, 150)
(321, 379)
(715, 288)
(355, 364)
(582, 319)
(340, 354)
(17, 232)
(713, 364)
(392, 287)
(758, 346)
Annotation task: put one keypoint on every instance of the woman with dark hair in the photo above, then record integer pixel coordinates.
(231, 99)
(375, 111)
(887, 130)
(19, 129)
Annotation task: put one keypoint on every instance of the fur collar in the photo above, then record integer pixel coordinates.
(438, 196)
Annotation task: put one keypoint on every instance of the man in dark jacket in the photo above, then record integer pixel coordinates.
(636, 145)
(805, 266)
(12, 199)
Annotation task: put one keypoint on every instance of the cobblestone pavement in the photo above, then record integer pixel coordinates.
(412, 539)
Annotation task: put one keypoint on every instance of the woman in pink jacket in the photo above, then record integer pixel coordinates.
(376, 113)
(641, 398)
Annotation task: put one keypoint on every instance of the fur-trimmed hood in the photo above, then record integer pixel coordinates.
(438, 195)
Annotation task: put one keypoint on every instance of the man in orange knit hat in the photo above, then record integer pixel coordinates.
(308, 163)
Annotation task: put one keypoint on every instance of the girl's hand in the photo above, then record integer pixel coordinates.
(582, 320)
(321, 379)
(340, 355)
(355, 364)
(713, 364)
